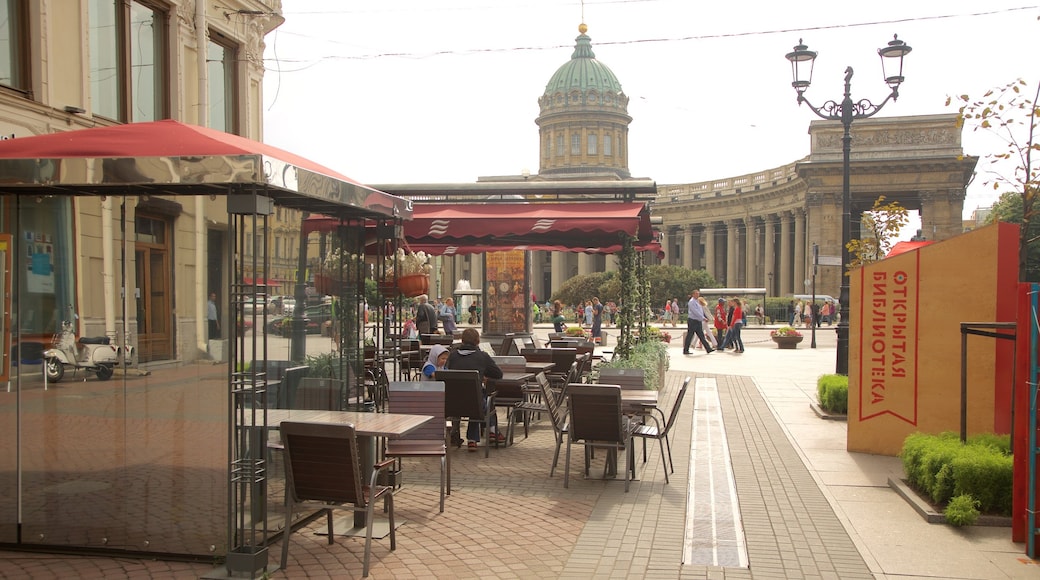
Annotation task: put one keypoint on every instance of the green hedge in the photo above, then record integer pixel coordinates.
(942, 467)
(832, 392)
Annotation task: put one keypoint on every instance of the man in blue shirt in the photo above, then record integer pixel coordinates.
(695, 318)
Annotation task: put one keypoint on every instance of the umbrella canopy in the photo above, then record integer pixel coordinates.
(173, 158)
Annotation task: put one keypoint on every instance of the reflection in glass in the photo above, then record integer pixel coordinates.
(106, 100)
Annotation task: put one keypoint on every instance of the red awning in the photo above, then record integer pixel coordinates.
(173, 158)
(593, 227)
(901, 247)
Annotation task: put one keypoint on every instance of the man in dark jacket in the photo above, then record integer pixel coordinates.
(468, 356)
(425, 317)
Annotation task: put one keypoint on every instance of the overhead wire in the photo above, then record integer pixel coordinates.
(311, 62)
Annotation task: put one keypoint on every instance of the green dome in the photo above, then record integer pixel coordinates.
(583, 72)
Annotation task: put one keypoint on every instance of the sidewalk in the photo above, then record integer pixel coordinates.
(807, 508)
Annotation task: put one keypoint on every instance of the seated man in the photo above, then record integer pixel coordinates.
(468, 356)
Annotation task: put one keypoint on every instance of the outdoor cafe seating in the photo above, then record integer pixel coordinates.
(430, 440)
(464, 397)
(660, 429)
(323, 472)
(597, 422)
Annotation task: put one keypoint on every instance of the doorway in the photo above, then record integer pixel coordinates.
(154, 304)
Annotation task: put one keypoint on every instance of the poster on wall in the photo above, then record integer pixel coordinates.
(506, 309)
(39, 275)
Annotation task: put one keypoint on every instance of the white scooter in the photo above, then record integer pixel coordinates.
(92, 354)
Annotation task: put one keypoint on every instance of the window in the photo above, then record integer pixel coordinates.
(559, 145)
(548, 147)
(220, 61)
(575, 144)
(13, 50)
(128, 60)
(592, 145)
(608, 140)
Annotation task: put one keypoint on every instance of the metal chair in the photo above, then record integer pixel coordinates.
(323, 472)
(430, 440)
(596, 421)
(464, 397)
(656, 431)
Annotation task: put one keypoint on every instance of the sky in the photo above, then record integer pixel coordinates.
(420, 91)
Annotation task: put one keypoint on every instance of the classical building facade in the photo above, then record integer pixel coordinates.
(75, 64)
(752, 230)
(757, 230)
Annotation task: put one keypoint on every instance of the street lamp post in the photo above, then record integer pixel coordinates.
(846, 111)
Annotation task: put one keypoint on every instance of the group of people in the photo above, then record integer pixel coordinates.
(727, 318)
(809, 313)
(467, 356)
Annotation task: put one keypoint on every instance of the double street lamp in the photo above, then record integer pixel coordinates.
(846, 111)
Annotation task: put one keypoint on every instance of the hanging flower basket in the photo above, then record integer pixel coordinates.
(413, 285)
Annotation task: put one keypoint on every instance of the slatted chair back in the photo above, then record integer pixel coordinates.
(420, 398)
(517, 347)
(595, 413)
(319, 394)
(507, 343)
(563, 358)
(626, 378)
(321, 463)
(674, 413)
(463, 395)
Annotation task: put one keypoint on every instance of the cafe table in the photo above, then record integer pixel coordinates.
(368, 427)
(536, 367)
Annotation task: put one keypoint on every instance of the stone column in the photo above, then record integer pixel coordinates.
(769, 255)
(559, 270)
(709, 249)
(611, 262)
(688, 245)
(732, 253)
(751, 265)
(476, 271)
(941, 214)
(786, 284)
(586, 265)
(665, 241)
(799, 252)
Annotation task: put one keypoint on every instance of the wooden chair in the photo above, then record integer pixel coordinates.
(430, 440)
(507, 343)
(323, 472)
(596, 421)
(319, 394)
(627, 378)
(550, 403)
(508, 396)
(661, 432)
(464, 397)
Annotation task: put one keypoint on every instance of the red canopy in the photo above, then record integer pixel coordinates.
(901, 247)
(592, 227)
(170, 157)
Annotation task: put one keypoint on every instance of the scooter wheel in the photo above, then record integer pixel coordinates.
(104, 372)
(54, 369)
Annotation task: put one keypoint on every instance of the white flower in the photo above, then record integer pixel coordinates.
(404, 263)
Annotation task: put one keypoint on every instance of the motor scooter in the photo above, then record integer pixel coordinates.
(92, 354)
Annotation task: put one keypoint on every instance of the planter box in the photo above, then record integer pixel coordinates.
(787, 342)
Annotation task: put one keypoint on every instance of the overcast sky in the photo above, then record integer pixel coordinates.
(417, 91)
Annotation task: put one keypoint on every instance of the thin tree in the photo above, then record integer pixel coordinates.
(1012, 117)
(882, 224)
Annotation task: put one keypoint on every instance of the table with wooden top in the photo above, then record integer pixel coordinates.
(367, 426)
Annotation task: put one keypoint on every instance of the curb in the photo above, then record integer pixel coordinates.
(933, 517)
(826, 414)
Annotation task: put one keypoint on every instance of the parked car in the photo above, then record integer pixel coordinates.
(314, 318)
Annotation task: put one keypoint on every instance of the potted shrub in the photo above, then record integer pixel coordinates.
(786, 337)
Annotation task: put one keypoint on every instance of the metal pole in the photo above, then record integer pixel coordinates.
(298, 342)
(841, 365)
(815, 312)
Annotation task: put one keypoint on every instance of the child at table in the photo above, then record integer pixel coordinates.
(436, 361)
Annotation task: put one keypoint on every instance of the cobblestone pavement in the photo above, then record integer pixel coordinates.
(806, 508)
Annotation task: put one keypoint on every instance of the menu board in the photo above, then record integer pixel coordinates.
(507, 295)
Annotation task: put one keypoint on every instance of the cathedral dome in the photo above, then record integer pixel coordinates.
(583, 72)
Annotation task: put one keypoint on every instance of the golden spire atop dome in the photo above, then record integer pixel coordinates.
(582, 28)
